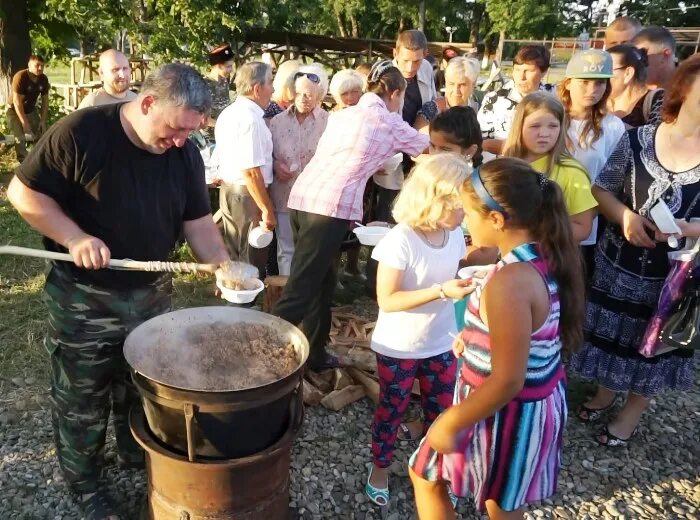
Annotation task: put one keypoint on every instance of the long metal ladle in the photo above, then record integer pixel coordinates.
(133, 265)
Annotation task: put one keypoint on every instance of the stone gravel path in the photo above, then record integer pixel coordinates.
(656, 477)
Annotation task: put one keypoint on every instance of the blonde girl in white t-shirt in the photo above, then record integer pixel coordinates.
(418, 261)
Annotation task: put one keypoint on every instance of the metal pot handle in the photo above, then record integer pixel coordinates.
(189, 410)
(297, 406)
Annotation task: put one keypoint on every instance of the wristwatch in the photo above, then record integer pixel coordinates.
(442, 293)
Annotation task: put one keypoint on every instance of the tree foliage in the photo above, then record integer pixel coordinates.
(186, 29)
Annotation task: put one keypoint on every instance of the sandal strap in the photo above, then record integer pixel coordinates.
(379, 496)
(613, 440)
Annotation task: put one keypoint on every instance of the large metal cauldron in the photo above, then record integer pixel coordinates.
(213, 423)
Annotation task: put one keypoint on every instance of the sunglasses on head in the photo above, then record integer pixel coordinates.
(312, 77)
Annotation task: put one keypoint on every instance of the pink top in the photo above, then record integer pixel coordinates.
(293, 143)
(357, 141)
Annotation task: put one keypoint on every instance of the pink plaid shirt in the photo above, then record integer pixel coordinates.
(355, 144)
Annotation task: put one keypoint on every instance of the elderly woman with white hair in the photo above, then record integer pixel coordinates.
(295, 135)
(460, 79)
(283, 85)
(346, 88)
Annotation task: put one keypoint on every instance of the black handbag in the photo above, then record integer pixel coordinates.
(682, 330)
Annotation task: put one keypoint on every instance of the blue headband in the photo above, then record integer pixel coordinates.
(484, 194)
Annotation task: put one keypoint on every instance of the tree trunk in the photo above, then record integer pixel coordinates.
(501, 43)
(477, 16)
(15, 45)
(421, 15)
(341, 26)
(354, 26)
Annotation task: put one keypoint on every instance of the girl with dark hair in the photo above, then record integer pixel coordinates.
(651, 163)
(630, 98)
(457, 130)
(501, 441)
(327, 197)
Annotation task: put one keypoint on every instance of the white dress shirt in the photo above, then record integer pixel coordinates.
(243, 141)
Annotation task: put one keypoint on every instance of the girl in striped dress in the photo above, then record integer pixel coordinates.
(501, 441)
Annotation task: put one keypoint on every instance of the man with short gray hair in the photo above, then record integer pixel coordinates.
(244, 145)
(115, 181)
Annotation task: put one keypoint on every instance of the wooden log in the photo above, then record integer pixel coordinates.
(312, 395)
(323, 384)
(339, 399)
(415, 390)
(368, 383)
(357, 357)
(274, 285)
(341, 379)
(356, 328)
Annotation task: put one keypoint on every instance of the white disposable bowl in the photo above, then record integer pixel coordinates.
(259, 237)
(242, 296)
(370, 236)
(468, 272)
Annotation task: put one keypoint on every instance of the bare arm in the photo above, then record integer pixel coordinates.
(205, 240)
(481, 255)
(256, 187)
(18, 102)
(421, 123)
(582, 223)
(391, 298)
(45, 215)
(633, 225)
(510, 347)
(493, 146)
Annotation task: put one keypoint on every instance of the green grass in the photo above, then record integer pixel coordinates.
(23, 316)
(58, 72)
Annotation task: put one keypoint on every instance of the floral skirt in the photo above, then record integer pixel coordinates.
(619, 308)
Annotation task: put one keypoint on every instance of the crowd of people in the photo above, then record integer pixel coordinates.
(547, 187)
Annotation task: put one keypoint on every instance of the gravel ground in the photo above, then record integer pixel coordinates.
(656, 477)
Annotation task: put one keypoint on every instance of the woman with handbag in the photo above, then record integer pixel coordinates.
(651, 163)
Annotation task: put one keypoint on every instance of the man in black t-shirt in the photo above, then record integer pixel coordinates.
(25, 121)
(120, 181)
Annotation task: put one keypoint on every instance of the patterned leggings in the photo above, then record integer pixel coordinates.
(436, 376)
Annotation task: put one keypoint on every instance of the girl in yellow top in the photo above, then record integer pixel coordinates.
(538, 136)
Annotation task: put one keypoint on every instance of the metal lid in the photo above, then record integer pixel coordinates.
(172, 348)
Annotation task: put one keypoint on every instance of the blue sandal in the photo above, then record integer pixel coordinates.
(453, 498)
(379, 496)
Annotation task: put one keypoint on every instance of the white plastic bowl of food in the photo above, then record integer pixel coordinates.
(251, 288)
(370, 235)
(476, 272)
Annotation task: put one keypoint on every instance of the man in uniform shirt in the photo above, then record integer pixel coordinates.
(115, 73)
(119, 180)
(24, 120)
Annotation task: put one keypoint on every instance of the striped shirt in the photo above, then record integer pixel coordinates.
(355, 144)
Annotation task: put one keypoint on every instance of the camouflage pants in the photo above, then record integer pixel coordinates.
(89, 375)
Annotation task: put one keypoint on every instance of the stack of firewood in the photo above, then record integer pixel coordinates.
(349, 342)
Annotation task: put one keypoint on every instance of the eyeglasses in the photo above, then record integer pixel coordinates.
(312, 77)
